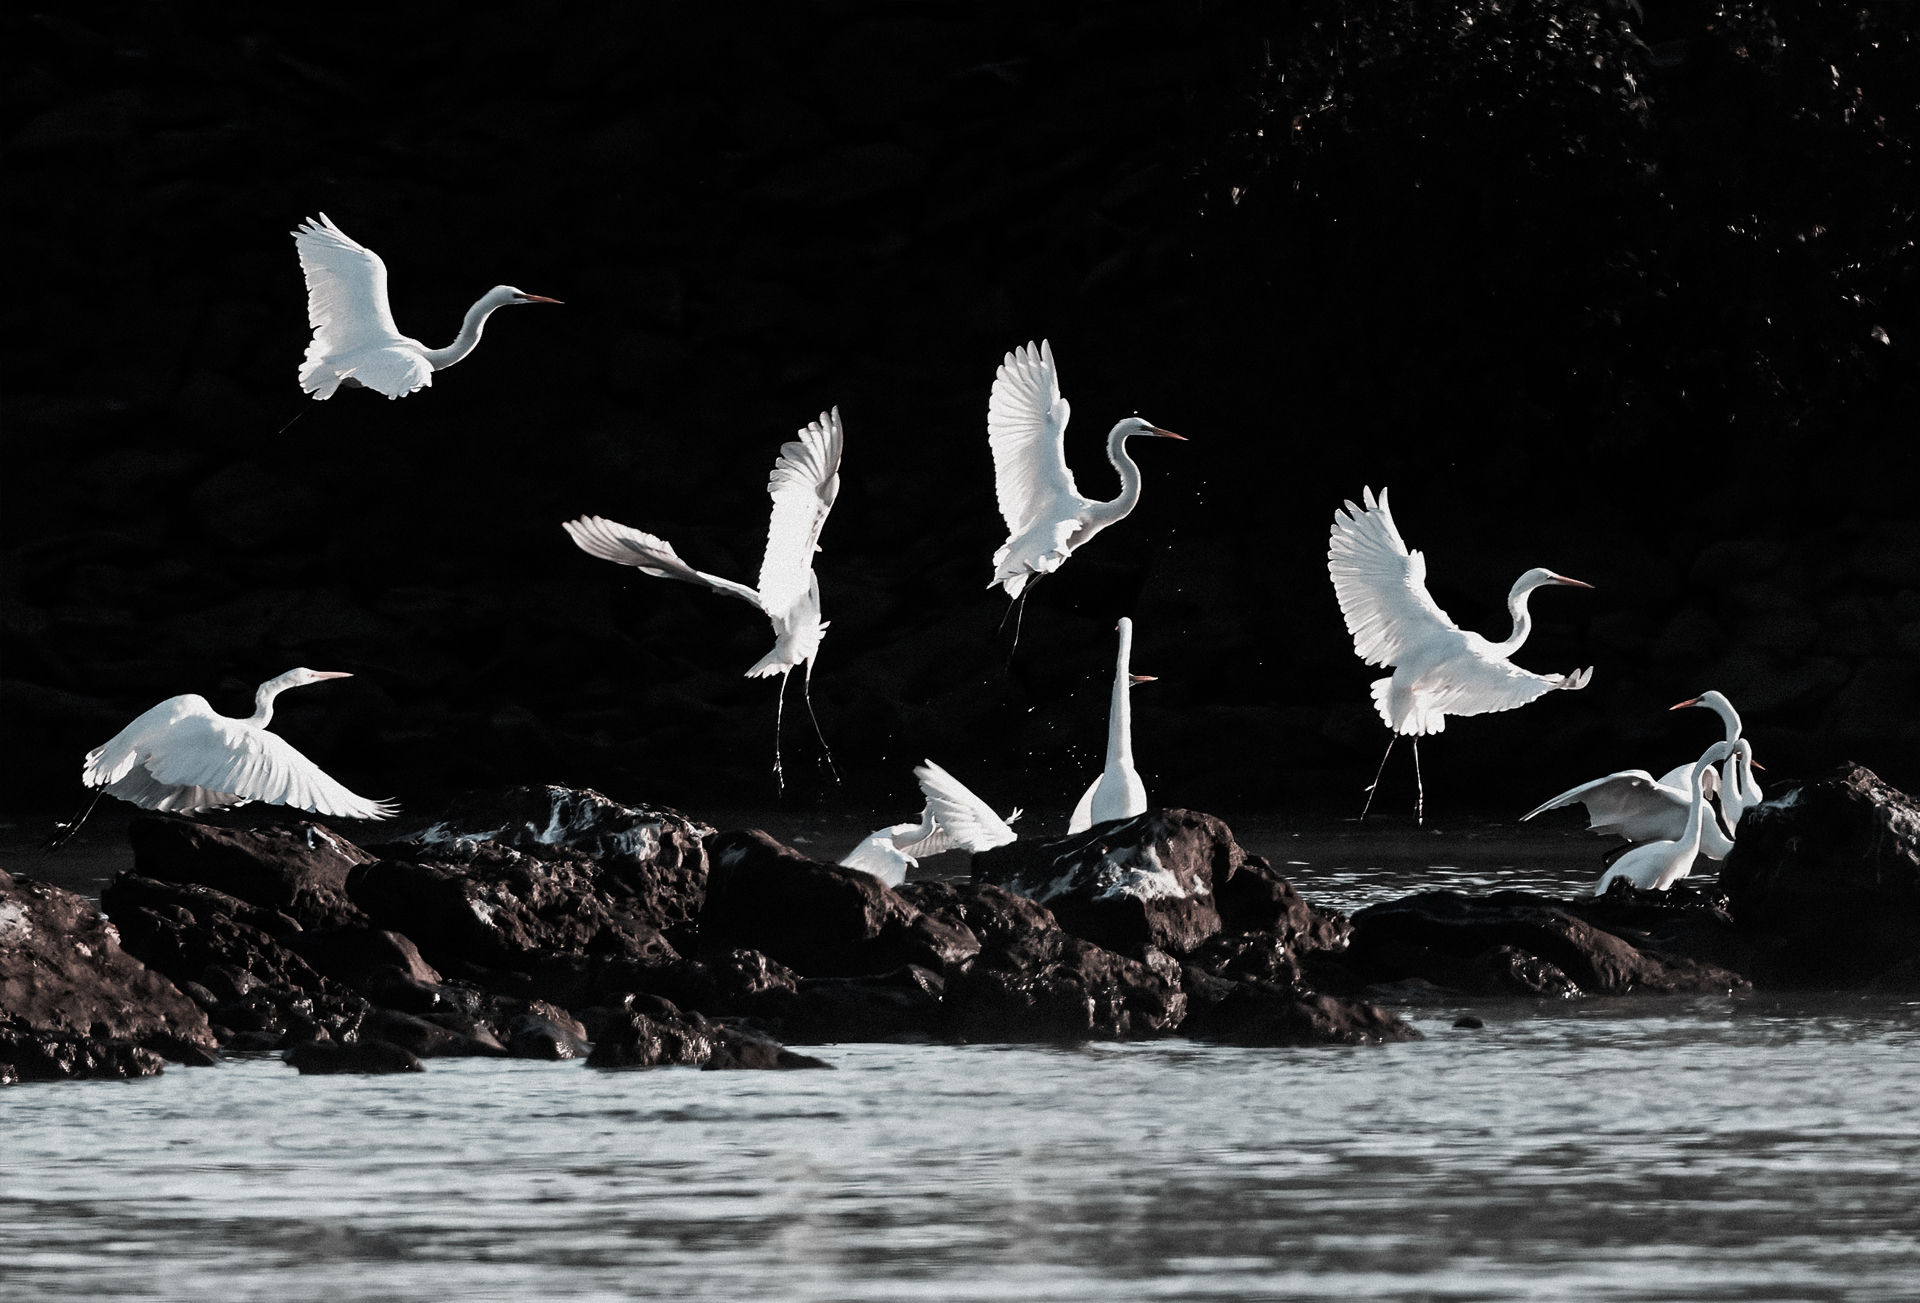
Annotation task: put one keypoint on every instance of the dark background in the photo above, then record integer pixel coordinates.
(1630, 296)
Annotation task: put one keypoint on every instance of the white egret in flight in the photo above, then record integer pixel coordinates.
(1439, 669)
(1633, 804)
(354, 339)
(1047, 519)
(805, 480)
(1655, 866)
(953, 818)
(182, 756)
(1118, 792)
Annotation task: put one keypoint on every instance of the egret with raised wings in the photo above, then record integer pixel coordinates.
(355, 341)
(1047, 519)
(1655, 866)
(1633, 804)
(954, 818)
(1118, 792)
(182, 756)
(1439, 669)
(803, 485)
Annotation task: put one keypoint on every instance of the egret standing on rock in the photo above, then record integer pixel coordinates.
(1118, 792)
(804, 483)
(1656, 866)
(1439, 669)
(182, 756)
(354, 339)
(1047, 519)
(954, 818)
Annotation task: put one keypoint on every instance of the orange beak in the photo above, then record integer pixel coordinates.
(1169, 434)
(536, 298)
(1571, 583)
(1143, 678)
(1691, 701)
(332, 674)
(1756, 764)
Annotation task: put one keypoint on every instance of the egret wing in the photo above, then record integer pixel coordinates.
(803, 485)
(1027, 429)
(346, 291)
(1083, 813)
(1381, 585)
(228, 755)
(1482, 682)
(611, 541)
(1630, 804)
(880, 857)
(141, 788)
(964, 819)
(114, 759)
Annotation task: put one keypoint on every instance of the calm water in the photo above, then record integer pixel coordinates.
(1753, 1149)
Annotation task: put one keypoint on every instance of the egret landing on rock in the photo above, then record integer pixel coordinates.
(182, 756)
(354, 339)
(954, 818)
(804, 483)
(1118, 792)
(1047, 519)
(1439, 669)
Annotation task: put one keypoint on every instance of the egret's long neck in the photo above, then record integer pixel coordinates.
(1697, 814)
(1731, 718)
(1105, 513)
(470, 328)
(263, 702)
(1522, 621)
(1120, 713)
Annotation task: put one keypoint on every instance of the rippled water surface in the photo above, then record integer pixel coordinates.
(1754, 1148)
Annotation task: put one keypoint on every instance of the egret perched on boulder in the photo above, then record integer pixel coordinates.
(1118, 792)
(954, 819)
(1439, 669)
(1047, 519)
(1655, 866)
(182, 756)
(355, 341)
(804, 483)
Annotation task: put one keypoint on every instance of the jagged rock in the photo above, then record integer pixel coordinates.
(182, 929)
(733, 1049)
(647, 1032)
(1688, 920)
(1455, 940)
(991, 913)
(1267, 1013)
(1253, 897)
(350, 953)
(362, 1056)
(426, 1039)
(890, 1006)
(1052, 986)
(299, 870)
(544, 1032)
(1832, 866)
(821, 920)
(1148, 880)
(1245, 956)
(74, 1003)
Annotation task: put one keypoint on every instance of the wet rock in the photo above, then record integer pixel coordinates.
(426, 1039)
(1053, 986)
(351, 953)
(1457, 940)
(648, 1033)
(1688, 920)
(545, 1033)
(991, 913)
(1266, 1013)
(821, 920)
(1148, 880)
(183, 930)
(735, 1049)
(297, 869)
(362, 1056)
(74, 1003)
(904, 1004)
(1253, 897)
(1248, 956)
(1467, 1022)
(1831, 866)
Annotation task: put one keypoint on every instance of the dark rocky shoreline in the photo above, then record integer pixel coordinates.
(554, 923)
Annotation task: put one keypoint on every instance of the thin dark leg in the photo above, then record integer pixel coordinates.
(779, 712)
(1376, 777)
(1419, 787)
(296, 416)
(1019, 619)
(63, 832)
(806, 687)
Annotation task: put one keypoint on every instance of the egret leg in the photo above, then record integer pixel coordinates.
(296, 416)
(1420, 789)
(63, 832)
(806, 689)
(1020, 618)
(779, 711)
(1376, 777)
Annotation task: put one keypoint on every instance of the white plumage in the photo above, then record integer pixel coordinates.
(181, 756)
(1439, 669)
(803, 485)
(355, 340)
(1046, 517)
(1118, 792)
(953, 818)
(1657, 865)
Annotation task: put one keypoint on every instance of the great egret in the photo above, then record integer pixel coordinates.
(354, 339)
(1118, 792)
(1738, 790)
(182, 756)
(1047, 519)
(954, 817)
(1439, 669)
(805, 480)
(1633, 804)
(1656, 866)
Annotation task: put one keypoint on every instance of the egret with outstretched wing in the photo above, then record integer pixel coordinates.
(355, 341)
(954, 818)
(803, 485)
(1439, 669)
(1655, 866)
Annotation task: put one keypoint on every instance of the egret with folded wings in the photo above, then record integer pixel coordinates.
(804, 483)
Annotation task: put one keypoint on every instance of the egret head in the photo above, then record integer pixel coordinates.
(1143, 678)
(507, 296)
(1540, 576)
(1711, 700)
(300, 678)
(1138, 425)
